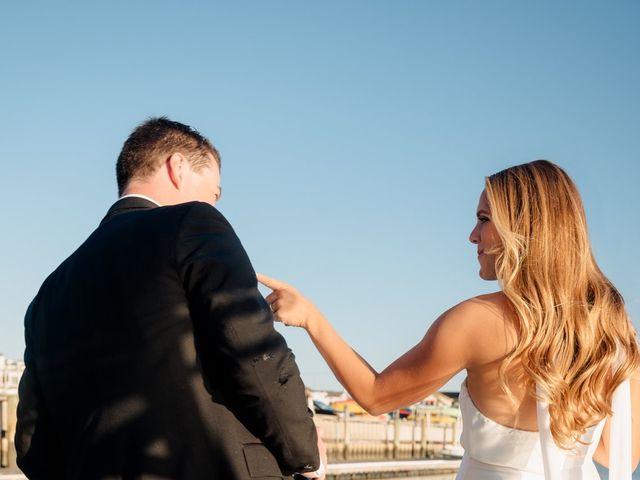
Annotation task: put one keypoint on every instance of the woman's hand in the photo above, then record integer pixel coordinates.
(288, 305)
(451, 344)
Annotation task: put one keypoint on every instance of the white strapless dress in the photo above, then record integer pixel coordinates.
(496, 452)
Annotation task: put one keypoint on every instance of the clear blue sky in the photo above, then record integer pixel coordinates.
(355, 138)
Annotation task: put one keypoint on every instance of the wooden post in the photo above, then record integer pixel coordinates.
(396, 434)
(456, 432)
(347, 433)
(428, 428)
(4, 427)
(423, 435)
(388, 446)
(444, 436)
(413, 438)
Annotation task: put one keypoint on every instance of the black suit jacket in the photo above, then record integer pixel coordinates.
(150, 354)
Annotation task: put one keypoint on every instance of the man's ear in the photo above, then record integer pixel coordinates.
(175, 168)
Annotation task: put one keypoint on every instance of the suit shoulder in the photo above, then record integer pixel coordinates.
(199, 218)
(200, 215)
(200, 210)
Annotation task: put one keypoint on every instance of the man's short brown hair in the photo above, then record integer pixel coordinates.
(153, 141)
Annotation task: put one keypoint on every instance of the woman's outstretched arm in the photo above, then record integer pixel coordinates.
(460, 338)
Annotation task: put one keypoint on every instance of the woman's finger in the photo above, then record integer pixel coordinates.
(272, 283)
(274, 306)
(272, 297)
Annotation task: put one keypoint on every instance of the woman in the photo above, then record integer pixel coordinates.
(544, 355)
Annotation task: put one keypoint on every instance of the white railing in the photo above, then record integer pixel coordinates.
(359, 438)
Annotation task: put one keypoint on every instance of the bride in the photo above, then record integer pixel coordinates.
(552, 359)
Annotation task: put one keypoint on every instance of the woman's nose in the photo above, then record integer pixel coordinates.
(474, 236)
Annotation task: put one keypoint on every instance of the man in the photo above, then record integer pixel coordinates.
(150, 353)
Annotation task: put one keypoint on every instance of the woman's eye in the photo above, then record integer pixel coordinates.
(483, 219)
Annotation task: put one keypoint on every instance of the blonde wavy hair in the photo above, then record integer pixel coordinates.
(575, 339)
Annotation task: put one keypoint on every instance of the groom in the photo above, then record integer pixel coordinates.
(150, 353)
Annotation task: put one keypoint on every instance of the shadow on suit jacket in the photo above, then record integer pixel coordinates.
(150, 354)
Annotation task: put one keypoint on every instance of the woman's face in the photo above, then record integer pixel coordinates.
(485, 236)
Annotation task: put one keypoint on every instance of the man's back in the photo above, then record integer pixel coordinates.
(151, 354)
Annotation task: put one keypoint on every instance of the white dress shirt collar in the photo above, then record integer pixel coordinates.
(140, 196)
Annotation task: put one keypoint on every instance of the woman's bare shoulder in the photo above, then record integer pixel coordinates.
(486, 321)
(491, 305)
(496, 301)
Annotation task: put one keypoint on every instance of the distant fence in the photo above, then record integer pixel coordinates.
(367, 438)
(347, 437)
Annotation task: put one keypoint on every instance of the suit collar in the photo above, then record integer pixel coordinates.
(128, 204)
